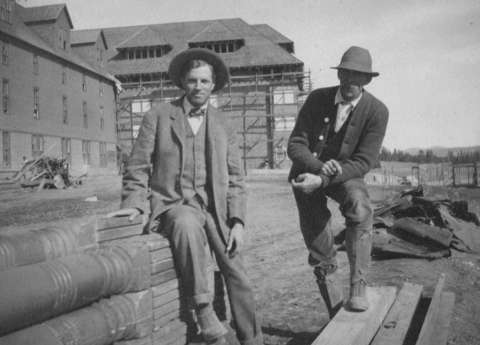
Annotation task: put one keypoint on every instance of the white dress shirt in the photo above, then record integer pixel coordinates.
(197, 120)
(344, 109)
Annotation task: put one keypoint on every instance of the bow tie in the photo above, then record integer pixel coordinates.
(197, 112)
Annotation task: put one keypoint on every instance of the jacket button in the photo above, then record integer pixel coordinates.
(315, 154)
(320, 137)
(326, 120)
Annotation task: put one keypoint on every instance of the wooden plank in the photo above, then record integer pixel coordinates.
(439, 235)
(141, 341)
(397, 322)
(177, 326)
(161, 254)
(165, 298)
(165, 309)
(104, 223)
(428, 327)
(162, 277)
(442, 325)
(161, 266)
(165, 287)
(116, 233)
(162, 320)
(358, 328)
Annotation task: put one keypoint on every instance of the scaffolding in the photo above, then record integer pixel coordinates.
(263, 107)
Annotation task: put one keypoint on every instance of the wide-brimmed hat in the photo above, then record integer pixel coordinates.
(177, 63)
(357, 59)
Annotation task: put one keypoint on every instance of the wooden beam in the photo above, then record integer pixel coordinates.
(358, 328)
(442, 326)
(397, 322)
(428, 328)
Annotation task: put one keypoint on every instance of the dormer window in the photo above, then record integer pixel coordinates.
(144, 52)
(219, 46)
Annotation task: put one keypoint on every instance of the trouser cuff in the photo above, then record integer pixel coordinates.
(204, 298)
(258, 340)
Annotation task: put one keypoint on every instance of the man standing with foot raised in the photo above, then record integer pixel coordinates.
(335, 142)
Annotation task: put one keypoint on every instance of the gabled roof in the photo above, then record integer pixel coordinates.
(257, 50)
(146, 37)
(215, 31)
(27, 35)
(44, 13)
(270, 33)
(86, 37)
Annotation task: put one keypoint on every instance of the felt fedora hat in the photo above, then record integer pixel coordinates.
(357, 59)
(210, 57)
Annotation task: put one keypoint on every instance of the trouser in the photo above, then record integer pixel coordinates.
(190, 229)
(315, 223)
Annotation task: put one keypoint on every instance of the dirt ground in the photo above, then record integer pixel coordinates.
(275, 256)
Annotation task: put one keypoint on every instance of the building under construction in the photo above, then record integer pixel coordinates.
(268, 83)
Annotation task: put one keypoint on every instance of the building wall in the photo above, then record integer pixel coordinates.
(20, 122)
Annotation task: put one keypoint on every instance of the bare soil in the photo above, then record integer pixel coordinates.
(288, 299)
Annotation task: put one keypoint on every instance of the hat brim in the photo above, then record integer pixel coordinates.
(177, 63)
(356, 69)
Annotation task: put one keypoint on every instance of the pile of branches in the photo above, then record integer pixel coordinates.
(44, 172)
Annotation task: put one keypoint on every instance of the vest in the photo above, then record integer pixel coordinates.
(334, 141)
(194, 177)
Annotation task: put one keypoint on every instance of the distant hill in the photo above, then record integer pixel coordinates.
(440, 151)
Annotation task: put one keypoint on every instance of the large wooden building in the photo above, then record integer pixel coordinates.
(265, 74)
(57, 98)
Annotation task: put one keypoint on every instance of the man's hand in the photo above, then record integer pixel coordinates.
(131, 213)
(307, 182)
(235, 240)
(332, 167)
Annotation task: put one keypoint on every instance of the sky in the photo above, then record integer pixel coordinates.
(427, 51)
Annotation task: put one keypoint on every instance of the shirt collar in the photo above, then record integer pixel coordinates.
(187, 106)
(339, 99)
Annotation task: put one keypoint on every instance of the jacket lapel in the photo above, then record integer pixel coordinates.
(210, 151)
(178, 124)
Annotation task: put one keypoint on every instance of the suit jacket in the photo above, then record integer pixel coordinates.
(156, 163)
(360, 147)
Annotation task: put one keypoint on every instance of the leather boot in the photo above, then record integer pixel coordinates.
(359, 246)
(213, 331)
(330, 287)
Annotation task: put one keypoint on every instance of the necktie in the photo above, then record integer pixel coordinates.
(196, 112)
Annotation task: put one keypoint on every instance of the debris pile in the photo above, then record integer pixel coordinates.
(44, 173)
(414, 225)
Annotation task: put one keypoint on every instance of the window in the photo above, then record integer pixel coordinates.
(103, 154)
(36, 103)
(5, 91)
(6, 152)
(64, 109)
(38, 145)
(219, 46)
(86, 152)
(4, 52)
(84, 83)
(141, 106)
(35, 64)
(6, 11)
(67, 149)
(64, 75)
(102, 121)
(85, 114)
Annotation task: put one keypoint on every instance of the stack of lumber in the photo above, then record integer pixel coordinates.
(409, 317)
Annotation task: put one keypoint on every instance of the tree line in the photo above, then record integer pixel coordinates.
(428, 156)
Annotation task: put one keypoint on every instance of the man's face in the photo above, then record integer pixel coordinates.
(351, 83)
(198, 85)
